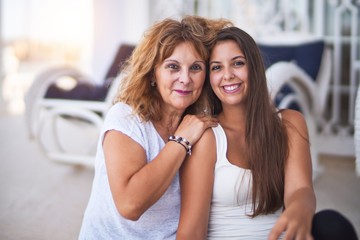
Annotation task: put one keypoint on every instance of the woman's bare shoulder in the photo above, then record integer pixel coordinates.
(206, 146)
(293, 116)
(294, 120)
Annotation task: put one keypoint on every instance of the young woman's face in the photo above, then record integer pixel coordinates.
(229, 73)
(180, 77)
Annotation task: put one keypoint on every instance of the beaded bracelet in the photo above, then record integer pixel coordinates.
(183, 142)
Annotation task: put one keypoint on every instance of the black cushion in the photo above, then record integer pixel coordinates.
(88, 91)
(82, 91)
(307, 56)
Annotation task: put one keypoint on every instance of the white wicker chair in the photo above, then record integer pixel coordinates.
(67, 129)
(55, 123)
(310, 94)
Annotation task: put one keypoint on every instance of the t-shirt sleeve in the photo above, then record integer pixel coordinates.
(121, 118)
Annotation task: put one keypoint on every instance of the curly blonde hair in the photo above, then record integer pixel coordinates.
(158, 44)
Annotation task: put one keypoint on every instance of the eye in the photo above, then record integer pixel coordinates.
(239, 63)
(196, 67)
(172, 66)
(215, 67)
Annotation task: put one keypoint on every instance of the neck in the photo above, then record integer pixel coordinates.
(168, 124)
(233, 117)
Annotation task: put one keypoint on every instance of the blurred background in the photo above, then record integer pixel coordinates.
(42, 199)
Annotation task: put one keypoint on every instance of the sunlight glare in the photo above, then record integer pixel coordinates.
(62, 21)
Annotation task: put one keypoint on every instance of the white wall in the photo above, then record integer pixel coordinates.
(115, 22)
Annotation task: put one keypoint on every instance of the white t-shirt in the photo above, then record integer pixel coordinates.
(232, 200)
(101, 219)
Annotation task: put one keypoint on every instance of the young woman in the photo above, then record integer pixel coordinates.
(251, 176)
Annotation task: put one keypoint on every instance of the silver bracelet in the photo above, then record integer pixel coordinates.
(185, 143)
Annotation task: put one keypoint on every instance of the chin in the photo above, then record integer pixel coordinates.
(182, 108)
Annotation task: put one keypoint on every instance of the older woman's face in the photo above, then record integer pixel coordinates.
(180, 78)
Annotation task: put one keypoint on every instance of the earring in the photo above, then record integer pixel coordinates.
(153, 83)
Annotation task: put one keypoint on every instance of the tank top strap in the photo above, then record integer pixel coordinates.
(221, 143)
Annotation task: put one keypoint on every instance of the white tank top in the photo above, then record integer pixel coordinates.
(232, 201)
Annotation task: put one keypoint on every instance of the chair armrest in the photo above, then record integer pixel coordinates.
(38, 89)
(323, 80)
(283, 73)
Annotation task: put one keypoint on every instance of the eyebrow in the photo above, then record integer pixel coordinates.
(173, 60)
(200, 61)
(234, 58)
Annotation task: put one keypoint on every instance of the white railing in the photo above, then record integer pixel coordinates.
(337, 21)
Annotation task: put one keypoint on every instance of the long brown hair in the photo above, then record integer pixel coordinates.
(157, 44)
(265, 133)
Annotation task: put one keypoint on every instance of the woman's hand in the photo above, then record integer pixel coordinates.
(193, 126)
(295, 222)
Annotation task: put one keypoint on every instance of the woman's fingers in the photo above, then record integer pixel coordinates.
(193, 126)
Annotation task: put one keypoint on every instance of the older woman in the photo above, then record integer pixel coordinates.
(149, 131)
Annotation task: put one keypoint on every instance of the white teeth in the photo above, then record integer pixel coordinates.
(231, 88)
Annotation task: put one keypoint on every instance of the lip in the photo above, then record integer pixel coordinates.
(182, 92)
(232, 88)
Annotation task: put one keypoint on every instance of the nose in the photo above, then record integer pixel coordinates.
(184, 77)
(228, 74)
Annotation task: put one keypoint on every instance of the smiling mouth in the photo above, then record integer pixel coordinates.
(231, 88)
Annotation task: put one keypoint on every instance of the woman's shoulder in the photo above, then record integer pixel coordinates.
(120, 106)
(292, 115)
(122, 113)
(209, 133)
(205, 147)
(121, 110)
(207, 139)
(294, 120)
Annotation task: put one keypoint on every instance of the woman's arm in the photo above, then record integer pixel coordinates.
(299, 196)
(135, 184)
(196, 181)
